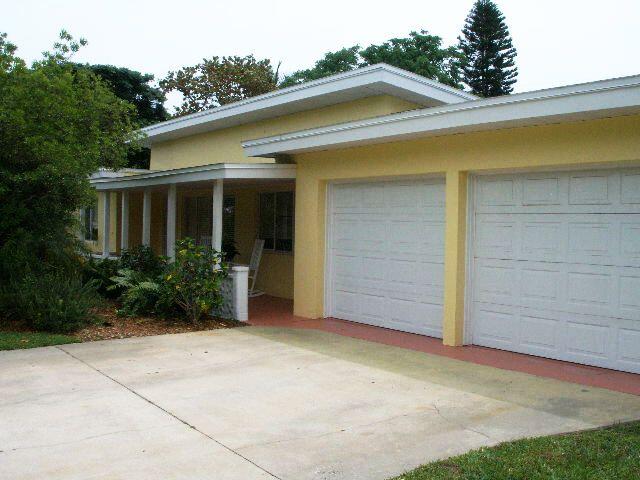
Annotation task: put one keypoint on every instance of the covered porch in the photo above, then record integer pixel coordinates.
(226, 206)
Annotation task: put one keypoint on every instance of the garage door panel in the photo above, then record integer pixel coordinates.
(541, 335)
(495, 281)
(556, 268)
(387, 251)
(495, 237)
(630, 242)
(542, 189)
(415, 317)
(630, 187)
(494, 326)
(628, 347)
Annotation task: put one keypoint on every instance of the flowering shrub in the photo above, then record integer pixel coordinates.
(194, 279)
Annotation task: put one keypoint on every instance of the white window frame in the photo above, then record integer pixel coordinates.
(275, 216)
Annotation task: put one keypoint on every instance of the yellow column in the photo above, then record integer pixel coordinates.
(308, 284)
(455, 257)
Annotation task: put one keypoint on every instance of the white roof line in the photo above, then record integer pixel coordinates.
(373, 73)
(260, 146)
(197, 174)
(314, 83)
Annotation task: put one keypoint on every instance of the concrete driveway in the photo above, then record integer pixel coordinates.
(260, 403)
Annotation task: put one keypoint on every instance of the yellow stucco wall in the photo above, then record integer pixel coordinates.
(275, 276)
(224, 146)
(613, 141)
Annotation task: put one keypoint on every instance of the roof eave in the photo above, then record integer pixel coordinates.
(203, 173)
(369, 81)
(596, 100)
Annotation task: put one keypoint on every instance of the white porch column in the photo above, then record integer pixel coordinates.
(216, 233)
(106, 222)
(124, 226)
(146, 217)
(171, 221)
(240, 276)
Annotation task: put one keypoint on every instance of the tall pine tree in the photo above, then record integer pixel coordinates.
(489, 66)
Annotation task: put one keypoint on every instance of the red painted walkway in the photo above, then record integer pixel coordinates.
(277, 312)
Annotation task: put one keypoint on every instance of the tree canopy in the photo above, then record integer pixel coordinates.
(420, 53)
(58, 125)
(489, 56)
(220, 80)
(135, 88)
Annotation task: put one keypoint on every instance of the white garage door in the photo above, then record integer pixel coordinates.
(556, 266)
(386, 254)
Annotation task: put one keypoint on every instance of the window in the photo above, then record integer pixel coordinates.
(89, 218)
(198, 218)
(276, 220)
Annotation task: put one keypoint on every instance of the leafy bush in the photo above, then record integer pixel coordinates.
(142, 259)
(101, 271)
(51, 302)
(140, 291)
(195, 278)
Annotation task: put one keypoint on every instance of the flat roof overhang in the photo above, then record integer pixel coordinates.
(204, 173)
(593, 100)
(379, 79)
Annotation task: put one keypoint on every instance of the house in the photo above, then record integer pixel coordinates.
(392, 200)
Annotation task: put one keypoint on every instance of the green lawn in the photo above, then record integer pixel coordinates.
(15, 340)
(606, 454)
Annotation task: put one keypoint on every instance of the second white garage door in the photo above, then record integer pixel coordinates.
(386, 254)
(556, 266)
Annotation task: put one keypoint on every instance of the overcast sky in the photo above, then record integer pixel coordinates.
(558, 41)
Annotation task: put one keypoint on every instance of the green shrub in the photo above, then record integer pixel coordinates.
(100, 271)
(140, 291)
(142, 259)
(51, 302)
(195, 278)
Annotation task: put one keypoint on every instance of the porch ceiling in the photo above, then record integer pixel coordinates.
(251, 172)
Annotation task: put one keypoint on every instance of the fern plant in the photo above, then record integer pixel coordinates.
(140, 291)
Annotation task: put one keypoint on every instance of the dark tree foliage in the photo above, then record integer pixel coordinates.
(489, 56)
(341, 61)
(419, 53)
(137, 89)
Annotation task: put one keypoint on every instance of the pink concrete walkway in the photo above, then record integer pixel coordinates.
(277, 312)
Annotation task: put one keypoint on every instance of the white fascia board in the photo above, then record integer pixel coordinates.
(198, 174)
(364, 82)
(565, 104)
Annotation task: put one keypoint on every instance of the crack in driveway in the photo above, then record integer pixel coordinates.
(80, 440)
(458, 424)
(171, 414)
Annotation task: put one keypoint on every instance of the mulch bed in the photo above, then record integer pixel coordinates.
(109, 326)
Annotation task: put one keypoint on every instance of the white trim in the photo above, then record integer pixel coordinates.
(328, 244)
(572, 103)
(376, 79)
(106, 224)
(172, 215)
(146, 217)
(199, 174)
(124, 221)
(216, 213)
(467, 329)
